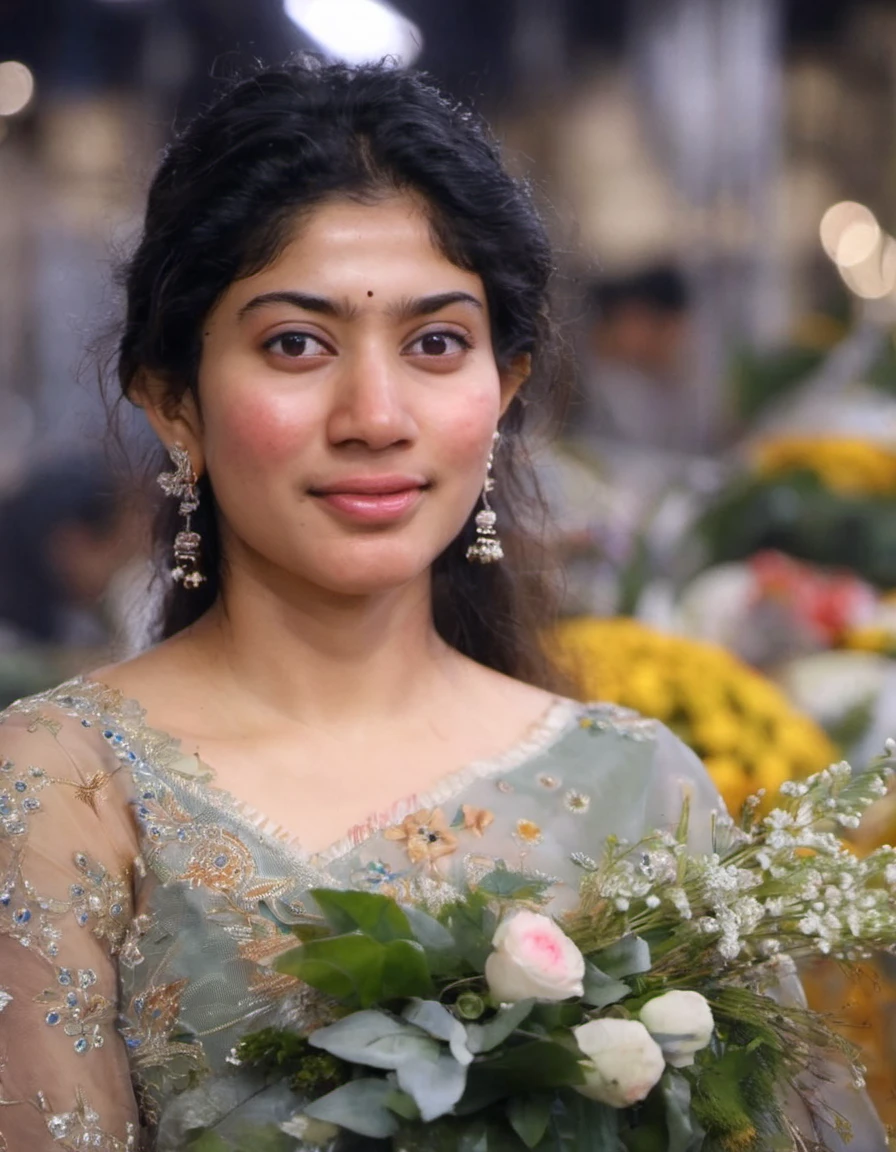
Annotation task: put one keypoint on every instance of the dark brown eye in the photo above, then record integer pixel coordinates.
(293, 344)
(434, 344)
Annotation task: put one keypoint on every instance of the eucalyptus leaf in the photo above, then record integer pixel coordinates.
(374, 1039)
(369, 912)
(529, 1117)
(436, 1086)
(359, 1106)
(435, 1019)
(485, 1037)
(433, 936)
(629, 956)
(601, 989)
(684, 1135)
(348, 968)
(512, 885)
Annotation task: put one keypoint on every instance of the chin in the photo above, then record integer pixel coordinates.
(372, 571)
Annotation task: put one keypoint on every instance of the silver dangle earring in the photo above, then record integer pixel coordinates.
(187, 543)
(486, 548)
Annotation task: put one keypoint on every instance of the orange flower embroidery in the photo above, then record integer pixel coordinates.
(427, 834)
(528, 832)
(476, 819)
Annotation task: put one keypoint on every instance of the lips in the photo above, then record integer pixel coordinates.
(370, 486)
(372, 499)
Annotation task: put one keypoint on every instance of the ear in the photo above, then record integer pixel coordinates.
(513, 377)
(173, 420)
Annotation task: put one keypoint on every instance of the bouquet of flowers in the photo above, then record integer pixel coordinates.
(648, 1018)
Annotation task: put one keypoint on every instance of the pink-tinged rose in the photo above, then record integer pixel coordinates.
(533, 958)
(623, 1061)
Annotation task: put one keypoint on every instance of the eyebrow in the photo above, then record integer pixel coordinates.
(407, 309)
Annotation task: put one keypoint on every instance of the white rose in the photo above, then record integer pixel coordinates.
(533, 957)
(681, 1023)
(623, 1061)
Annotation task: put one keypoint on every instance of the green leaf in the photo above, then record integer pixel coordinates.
(348, 968)
(402, 1105)
(405, 971)
(205, 1140)
(374, 1039)
(358, 970)
(529, 1117)
(512, 885)
(435, 1085)
(435, 1019)
(559, 1015)
(629, 956)
(369, 912)
(601, 989)
(359, 1106)
(583, 1125)
(485, 1037)
(531, 1067)
(468, 923)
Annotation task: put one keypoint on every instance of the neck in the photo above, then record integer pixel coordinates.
(319, 656)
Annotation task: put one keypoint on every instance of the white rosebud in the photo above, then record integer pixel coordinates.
(533, 957)
(681, 1023)
(623, 1061)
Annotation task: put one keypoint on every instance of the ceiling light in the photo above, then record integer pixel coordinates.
(357, 31)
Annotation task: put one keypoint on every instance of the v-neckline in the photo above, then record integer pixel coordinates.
(165, 754)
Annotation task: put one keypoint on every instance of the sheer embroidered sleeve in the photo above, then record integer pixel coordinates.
(65, 907)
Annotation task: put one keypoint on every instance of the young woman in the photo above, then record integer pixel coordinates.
(336, 320)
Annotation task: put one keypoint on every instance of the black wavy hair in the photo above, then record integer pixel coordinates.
(225, 201)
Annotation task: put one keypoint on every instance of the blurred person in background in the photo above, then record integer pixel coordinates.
(637, 357)
(69, 534)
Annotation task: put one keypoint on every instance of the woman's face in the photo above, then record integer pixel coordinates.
(349, 395)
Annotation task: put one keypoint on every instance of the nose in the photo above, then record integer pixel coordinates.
(370, 403)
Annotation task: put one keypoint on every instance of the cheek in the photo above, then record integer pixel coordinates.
(464, 433)
(253, 431)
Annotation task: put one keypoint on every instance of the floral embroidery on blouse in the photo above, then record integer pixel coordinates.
(102, 899)
(476, 820)
(528, 832)
(80, 1128)
(427, 834)
(79, 1011)
(149, 1038)
(576, 801)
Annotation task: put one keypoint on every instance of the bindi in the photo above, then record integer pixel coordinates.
(369, 293)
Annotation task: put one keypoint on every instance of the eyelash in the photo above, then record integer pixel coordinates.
(464, 341)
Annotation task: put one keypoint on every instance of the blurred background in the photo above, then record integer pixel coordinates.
(720, 180)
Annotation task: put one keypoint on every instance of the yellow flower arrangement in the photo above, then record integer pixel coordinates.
(848, 465)
(740, 723)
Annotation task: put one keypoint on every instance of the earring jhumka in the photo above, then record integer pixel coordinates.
(486, 548)
(187, 543)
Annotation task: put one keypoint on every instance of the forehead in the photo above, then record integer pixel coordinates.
(386, 247)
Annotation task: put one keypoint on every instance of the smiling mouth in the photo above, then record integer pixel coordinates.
(373, 501)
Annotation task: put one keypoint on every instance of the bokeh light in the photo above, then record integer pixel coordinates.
(847, 219)
(357, 31)
(16, 87)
